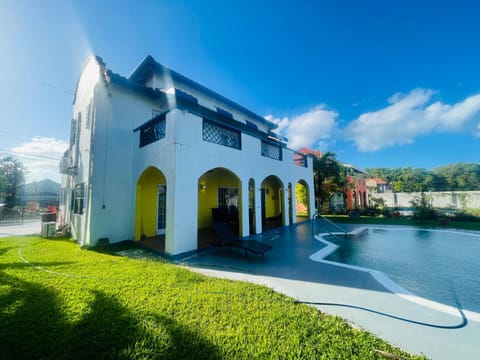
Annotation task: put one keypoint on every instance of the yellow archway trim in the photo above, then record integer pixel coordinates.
(146, 202)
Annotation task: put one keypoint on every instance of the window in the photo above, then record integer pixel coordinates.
(79, 199)
(221, 135)
(227, 197)
(300, 160)
(271, 151)
(153, 131)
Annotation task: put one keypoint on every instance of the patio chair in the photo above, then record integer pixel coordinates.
(227, 238)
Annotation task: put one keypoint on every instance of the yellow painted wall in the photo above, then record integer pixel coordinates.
(273, 197)
(207, 198)
(146, 202)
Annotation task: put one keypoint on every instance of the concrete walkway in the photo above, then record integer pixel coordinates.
(439, 332)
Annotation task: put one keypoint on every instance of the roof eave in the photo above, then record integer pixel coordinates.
(149, 64)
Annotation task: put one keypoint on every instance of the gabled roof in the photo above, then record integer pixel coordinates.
(377, 180)
(149, 66)
(308, 151)
(353, 168)
(115, 78)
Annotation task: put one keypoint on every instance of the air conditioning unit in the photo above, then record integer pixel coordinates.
(65, 165)
(48, 229)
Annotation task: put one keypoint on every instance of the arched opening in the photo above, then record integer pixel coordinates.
(219, 200)
(251, 207)
(272, 203)
(302, 204)
(151, 208)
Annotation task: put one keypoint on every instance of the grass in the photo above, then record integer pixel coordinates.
(454, 224)
(58, 301)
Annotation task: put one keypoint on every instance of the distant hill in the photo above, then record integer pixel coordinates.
(41, 187)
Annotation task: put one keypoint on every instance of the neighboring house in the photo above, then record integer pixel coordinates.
(377, 185)
(44, 193)
(157, 155)
(354, 196)
(356, 192)
(308, 151)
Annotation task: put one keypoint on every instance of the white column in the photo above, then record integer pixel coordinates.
(182, 212)
(286, 217)
(245, 228)
(294, 204)
(258, 207)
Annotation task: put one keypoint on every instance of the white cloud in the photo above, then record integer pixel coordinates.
(41, 157)
(412, 115)
(311, 129)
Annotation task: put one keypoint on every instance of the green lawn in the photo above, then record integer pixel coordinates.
(59, 301)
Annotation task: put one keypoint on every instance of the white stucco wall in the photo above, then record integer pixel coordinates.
(449, 199)
(79, 151)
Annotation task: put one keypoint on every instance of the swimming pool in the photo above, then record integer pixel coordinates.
(443, 266)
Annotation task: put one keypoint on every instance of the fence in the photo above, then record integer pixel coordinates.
(11, 216)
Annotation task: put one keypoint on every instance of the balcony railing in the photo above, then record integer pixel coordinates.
(221, 135)
(271, 151)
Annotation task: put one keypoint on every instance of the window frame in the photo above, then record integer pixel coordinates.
(227, 196)
(265, 151)
(223, 135)
(79, 199)
(154, 131)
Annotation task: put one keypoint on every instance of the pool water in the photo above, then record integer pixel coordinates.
(442, 266)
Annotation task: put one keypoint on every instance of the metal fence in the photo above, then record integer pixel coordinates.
(11, 216)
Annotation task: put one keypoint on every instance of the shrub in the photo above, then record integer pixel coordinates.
(423, 209)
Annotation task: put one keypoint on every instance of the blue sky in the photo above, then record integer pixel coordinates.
(379, 83)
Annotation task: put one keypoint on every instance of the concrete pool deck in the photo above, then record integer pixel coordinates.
(357, 296)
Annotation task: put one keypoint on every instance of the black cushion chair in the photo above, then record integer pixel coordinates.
(227, 238)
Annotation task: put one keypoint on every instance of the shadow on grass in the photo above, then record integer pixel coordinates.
(112, 249)
(6, 249)
(33, 324)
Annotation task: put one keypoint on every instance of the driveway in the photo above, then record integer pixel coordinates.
(28, 227)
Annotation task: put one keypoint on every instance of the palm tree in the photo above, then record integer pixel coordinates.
(329, 177)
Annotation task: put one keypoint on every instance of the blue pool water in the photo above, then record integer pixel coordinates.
(442, 266)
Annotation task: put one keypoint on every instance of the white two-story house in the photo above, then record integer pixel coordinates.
(157, 155)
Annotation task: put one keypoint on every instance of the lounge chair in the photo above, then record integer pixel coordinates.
(227, 238)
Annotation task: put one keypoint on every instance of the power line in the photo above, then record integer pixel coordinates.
(41, 88)
(21, 135)
(30, 155)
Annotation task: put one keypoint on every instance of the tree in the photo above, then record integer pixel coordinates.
(463, 176)
(329, 177)
(13, 173)
(3, 187)
(301, 194)
(456, 177)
